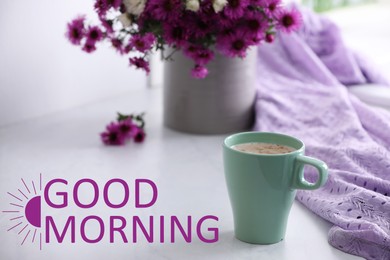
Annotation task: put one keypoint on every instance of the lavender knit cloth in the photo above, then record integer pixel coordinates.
(302, 92)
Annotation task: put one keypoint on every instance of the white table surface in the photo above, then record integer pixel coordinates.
(186, 168)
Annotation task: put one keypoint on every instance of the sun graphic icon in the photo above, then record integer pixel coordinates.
(26, 211)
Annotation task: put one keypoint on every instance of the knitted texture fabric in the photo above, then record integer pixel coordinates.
(302, 91)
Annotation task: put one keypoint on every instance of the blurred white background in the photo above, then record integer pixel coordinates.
(42, 73)
(365, 28)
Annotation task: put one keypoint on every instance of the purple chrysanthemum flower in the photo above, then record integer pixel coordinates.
(235, 8)
(234, 45)
(199, 72)
(202, 22)
(127, 48)
(198, 26)
(76, 30)
(254, 27)
(289, 20)
(257, 2)
(139, 136)
(94, 34)
(101, 7)
(190, 50)
(175, 34)
(107, 24)
(199, 54)
(89, 47)
(117, 44)
(142, 43)
(140, 63)
(271, 7)
(165, 9)
(255, 39)
(112, 135)
(127, 128)
(224, 21)
(226, 32)
(203, 56)
(113, 3)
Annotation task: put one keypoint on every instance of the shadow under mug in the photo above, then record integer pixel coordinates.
(262, 187)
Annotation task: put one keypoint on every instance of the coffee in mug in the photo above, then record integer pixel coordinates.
(263, 148)
(262, 186)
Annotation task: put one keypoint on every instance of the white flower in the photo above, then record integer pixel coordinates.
(218, 5)
(125, 20)
(192, 5)
(135, 7)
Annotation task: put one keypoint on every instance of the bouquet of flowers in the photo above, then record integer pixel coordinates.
(198, 28)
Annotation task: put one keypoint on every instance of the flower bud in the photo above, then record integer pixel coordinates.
(218, 5)
(125, 20)
(269, 37)
(135, 7)
(192, 5)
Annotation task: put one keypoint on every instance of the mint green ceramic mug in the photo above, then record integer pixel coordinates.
(262, 187)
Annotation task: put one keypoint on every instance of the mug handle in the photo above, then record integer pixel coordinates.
(299, 181)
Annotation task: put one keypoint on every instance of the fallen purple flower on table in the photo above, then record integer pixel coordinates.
(139, 136)
(113, 135)
(126, 127)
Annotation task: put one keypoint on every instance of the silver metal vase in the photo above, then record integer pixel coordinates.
(221, 103)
